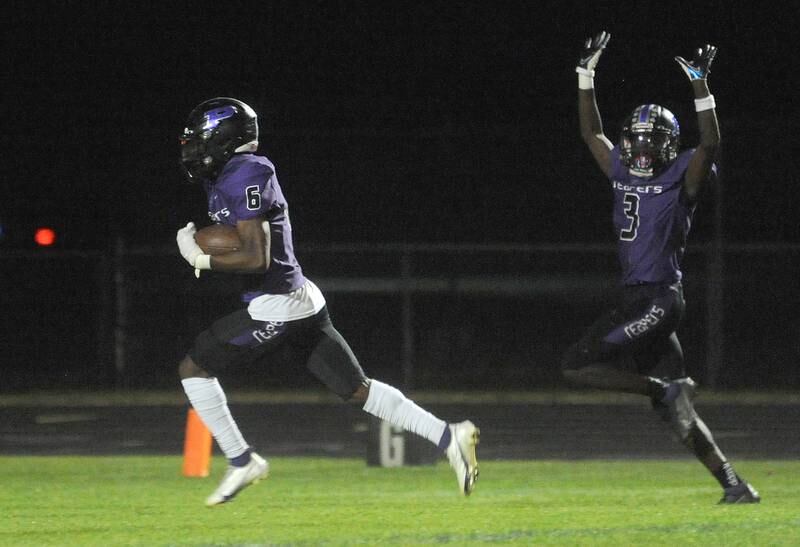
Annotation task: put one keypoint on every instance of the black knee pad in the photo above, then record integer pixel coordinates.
(588, 352)
(573, 359)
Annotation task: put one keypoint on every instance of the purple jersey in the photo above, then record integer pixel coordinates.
(248, 188)
(651, 220)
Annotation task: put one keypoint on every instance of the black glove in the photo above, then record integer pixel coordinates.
(592, 50)
(700, 66)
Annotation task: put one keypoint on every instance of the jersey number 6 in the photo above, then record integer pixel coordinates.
(253, 195)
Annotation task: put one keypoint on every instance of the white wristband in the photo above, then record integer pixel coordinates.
(706, 103)
(585, 78)
(203, 262)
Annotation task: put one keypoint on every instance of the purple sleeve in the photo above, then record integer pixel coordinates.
(618, 170)
(250, 191)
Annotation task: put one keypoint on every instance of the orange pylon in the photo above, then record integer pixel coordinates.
(196, 447)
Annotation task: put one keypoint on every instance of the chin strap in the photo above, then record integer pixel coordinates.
(251, 146)
(641, 173)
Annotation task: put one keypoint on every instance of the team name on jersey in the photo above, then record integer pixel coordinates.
(270, 330)
(641, 326)
(219, 215)
(641, 189)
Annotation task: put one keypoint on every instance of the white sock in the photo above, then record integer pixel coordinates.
(209, 402)
(388, 403)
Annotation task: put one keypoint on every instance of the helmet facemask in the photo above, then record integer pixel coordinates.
(197, 162)
(649, 141)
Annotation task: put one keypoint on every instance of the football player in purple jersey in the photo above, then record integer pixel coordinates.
(218, 149)
(633, 348)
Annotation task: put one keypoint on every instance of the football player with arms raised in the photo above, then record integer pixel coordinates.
(633, 348)
(218, 152)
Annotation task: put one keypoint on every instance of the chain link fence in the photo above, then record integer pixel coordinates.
(420, 316)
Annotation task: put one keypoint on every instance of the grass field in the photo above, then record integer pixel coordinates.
(144, 501)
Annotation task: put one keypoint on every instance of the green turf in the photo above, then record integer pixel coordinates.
(145, 501)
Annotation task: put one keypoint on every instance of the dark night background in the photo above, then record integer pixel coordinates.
(411, 122)
(382, 116)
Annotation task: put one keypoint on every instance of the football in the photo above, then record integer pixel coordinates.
(218, 239)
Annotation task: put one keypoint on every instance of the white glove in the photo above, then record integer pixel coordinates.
(191, 251)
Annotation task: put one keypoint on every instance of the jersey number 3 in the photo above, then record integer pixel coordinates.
(631, 204)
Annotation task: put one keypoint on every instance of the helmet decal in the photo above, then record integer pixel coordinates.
(215, 131)
(644, 115)
(213, 117)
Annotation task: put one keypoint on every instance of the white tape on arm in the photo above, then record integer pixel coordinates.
(203, 262)
(585, 78)
(706, 103)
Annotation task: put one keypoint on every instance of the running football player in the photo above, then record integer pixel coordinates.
(633, 348)
(218, 152)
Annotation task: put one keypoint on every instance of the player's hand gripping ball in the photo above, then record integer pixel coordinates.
(218, 239)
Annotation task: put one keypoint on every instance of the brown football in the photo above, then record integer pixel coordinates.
(218, 239)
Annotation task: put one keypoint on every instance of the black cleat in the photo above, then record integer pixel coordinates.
(741, 493)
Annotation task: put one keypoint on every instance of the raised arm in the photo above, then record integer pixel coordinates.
(589, 115)
(699, 168)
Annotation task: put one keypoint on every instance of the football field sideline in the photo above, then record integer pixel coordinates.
(520, 425)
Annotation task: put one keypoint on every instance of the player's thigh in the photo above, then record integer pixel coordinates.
(647, 317)
(236, 339)
(638, 326)
(590, 348)
(333, 362)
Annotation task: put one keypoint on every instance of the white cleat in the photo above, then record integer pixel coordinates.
(237, 479)
(461, 453)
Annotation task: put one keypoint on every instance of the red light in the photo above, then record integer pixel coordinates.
(44, 237)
